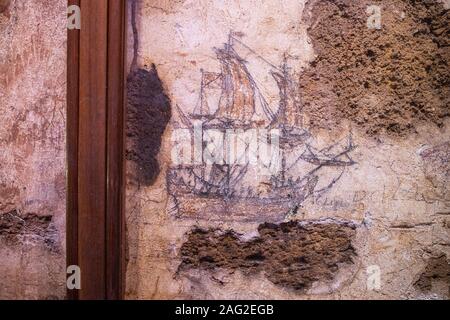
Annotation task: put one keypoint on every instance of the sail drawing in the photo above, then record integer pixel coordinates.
(230, 99)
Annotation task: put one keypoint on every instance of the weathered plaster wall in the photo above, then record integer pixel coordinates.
(373, 105)
(32, 144)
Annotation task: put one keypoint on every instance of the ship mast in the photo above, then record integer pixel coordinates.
(202, 97)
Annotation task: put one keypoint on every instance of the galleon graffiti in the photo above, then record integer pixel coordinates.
(237, 152)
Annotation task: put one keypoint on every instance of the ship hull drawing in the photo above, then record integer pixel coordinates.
(230, 100)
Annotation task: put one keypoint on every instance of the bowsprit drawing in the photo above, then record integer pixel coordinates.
(241, 157)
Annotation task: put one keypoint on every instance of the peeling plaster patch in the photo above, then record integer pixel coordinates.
(385, 81)
(437, 270)
(149, 111)
(16, 228)
(291, 255)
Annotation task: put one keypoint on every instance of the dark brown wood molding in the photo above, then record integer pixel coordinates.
(115, 222)
(73, 43)
(95, 148)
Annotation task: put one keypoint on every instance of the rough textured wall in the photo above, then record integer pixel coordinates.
(360, 207)
(32, 143)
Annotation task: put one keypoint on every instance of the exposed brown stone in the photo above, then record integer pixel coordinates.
(385, 81)
(149, 111)
(290, 254)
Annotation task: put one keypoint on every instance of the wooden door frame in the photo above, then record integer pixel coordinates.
(95, 148)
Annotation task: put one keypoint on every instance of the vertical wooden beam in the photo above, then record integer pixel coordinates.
(73, 46)
(115, 239)
(95, 148)
(92, 148)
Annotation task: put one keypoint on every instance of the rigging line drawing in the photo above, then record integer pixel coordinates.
(230, 100)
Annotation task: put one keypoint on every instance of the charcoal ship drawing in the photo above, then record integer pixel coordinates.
(232, 100)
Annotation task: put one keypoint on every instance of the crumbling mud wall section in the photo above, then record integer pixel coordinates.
(32, 143)
(359, 206)
(291, 255)
(385, 80)
(148, 113)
